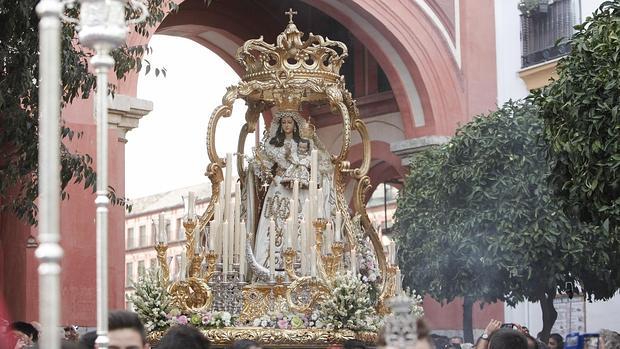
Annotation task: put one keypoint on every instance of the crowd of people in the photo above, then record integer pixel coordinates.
(126, 331)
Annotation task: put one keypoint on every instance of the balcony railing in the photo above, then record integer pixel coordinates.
(543, 27)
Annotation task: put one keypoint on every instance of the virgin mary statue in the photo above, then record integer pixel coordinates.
(284, 157)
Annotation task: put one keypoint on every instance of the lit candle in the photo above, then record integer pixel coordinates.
(191, 201)
(242, 254)
(237, 230)
(338, 233)
(162, 229)
(354, 261)
(272, 248)
(225, 248)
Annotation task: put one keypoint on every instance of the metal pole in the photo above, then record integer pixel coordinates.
(102, 62)
(49, 251)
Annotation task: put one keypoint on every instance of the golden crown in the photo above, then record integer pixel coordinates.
(307, 130)
(291, 71)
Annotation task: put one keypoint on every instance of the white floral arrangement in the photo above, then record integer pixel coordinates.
(151, 301)
(203, 319)
(368, 267)
(416, 308)
(349, 306)
(288, 321)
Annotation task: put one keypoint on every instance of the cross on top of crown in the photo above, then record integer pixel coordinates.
(290, 13)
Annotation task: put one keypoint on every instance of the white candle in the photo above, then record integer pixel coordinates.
(314, 165)
(183, 267)
(289, 232)
(231, 233)
(309, 233)
(212, 229)
(392, 252)
(242, 254)
(227, 186)
(272, 248)
(338, 232)
(304, 249)
(329, 233)
(312, 194)
(225, 248)
(354, 261)
(295, 211)
(197, 241)
(313, 262)
(162, 229)
(321, 203)
(292, 224)
(191, 201)
(237, 230)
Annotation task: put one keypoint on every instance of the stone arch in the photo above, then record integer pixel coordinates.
(424, 74)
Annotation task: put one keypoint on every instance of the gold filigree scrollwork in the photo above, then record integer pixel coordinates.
(190, 241)
(332, 263)
(191, 295)
(161, 250)
(359, 202)
(256, 302)
(305, 293)
(289, 263)
(389, 290)
(277, 338)
(211, 265)
(224, 110)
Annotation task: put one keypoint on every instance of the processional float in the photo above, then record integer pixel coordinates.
(312, 246)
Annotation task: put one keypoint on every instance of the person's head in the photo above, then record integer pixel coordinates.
(457, 340)
(609, 340)
(353, 344)
(303, 146)
(506, 338)
(25, 329)
(245, 344)
(556, 341)
(287, 128)
(87, 341)
(183, 337)
(126, 331)
(532, 343)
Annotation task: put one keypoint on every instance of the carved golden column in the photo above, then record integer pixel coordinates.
(161, 250)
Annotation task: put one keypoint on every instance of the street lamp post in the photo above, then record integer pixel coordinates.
(49, 251)
(103, 28)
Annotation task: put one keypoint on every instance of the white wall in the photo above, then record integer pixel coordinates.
(508, 50)
(510, 86)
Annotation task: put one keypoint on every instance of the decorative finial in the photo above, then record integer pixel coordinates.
(290, 13)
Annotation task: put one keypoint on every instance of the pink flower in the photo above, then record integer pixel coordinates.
(182, 320)
(206, 318)
(283, 324)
